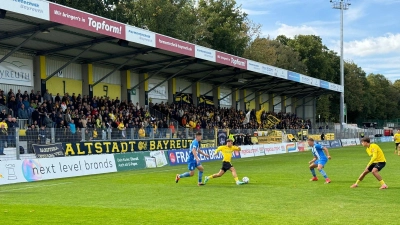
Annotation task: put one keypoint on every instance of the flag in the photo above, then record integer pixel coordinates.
(247, 119)
(258, 115)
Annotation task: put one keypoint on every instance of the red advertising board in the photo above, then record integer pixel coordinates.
(86, 21)
(231, 60)
(174, 45)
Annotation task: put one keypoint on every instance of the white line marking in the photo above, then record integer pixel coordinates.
(34, 186)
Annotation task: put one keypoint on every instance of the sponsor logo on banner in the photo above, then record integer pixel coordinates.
(269, 149)
(305, 79)
(205, 53)
(324, 143)
(247, 151)
(48, 151)
(150, 162)
(160, 158)
(178, 157)
(291, 147)
(303, 146)
(86, 21)
(315, 82)
(16, 71)
(34, 8)
(387, 139)
(293, 76)
(335, 144)
(324, 84)
(175, 45)
(254, 66)
(140, 36)
(102, 147)
(231, 60)
(269, 70)
(45, 169)
(131, 161)
(358, 141)
(348, 142)
(258, 150)
(158, 93)
(281, 73)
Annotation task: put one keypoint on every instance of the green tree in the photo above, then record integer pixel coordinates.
(227, 24)
(260, 51)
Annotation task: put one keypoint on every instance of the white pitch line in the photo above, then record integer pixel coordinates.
(34, 186)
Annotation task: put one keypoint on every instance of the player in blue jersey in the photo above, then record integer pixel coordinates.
(321, 156)
(194, 160)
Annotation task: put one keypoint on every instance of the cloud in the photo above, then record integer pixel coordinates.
(255, 12)
(305, 29)
(373, 46)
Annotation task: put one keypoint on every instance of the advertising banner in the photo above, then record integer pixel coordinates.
(35, 8)
(291, 147)
(175, 45)
(231, 60)
(269, 149)
(247, 151)
(281, 73)
(159, 158)
(131, 161)
(86, 21)
(102, 147)
(258, 150)
(16, 71)
(294, 76)
(183, 98)
(254, 66)
(179, 157)
(141, 36)
(48, 151)
(303, 146)
(387, 139)
(205, 53)
(324, 143)
(268, 70)
(335, 144)
(221, 137)
(348, 142)
(358, 141)
(29, 170)
(159, 92)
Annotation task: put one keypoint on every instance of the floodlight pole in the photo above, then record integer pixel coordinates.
(342, 5)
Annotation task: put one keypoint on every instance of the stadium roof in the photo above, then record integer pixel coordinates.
(44, 28)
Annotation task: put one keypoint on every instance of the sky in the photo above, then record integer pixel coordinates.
(371, 28)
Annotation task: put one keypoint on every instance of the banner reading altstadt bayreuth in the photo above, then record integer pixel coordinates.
(104, 147)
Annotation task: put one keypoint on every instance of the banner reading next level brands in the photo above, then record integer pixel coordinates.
(29, 170)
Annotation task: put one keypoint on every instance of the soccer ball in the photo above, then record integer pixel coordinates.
(246, 180)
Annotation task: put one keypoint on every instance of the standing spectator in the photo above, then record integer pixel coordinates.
(42, 135)
(142, 133)
(32, 137)
(3, 137)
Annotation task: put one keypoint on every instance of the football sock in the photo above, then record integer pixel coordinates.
(313, 172)
(236, 179)
(200, 176)
(358, 181)
(323, 173)
(382, 182)
(187, 174)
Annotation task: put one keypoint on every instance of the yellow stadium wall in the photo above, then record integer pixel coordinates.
(55, 85)
(114, 90)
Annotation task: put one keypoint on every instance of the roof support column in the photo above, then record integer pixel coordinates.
(171, 90)
(234, 98)
(125, 85)
(271, 102)
(242, 102)
(293, 105)
(196, 93)
(216, 95)
(283, 104)
(87, 79)
(257, 100)
(144, 89)
(39, 69)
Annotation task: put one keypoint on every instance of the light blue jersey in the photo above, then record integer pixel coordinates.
(195, 144)
(319, 153)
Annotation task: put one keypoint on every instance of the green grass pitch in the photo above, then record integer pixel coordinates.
(279, 192)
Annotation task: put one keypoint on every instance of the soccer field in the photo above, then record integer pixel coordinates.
(279, 192)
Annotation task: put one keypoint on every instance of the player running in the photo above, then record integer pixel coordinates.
(193, 160)
(227, 151)
(377, 162)
(397, 142)
(321, 156)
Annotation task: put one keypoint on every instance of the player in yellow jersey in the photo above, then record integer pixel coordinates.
(227, 151)
(397, 141)
(377, 162)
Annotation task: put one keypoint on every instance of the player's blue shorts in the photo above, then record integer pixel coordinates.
(321, 161)
(193, 165)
